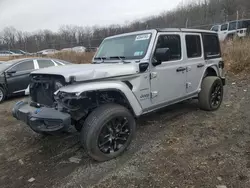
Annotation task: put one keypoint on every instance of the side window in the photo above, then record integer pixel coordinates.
(211, 46)
(24, 66)
(45, 63)
(232, 26)
(224, 27)
(173, 42)
(215, 28)
(193, 43)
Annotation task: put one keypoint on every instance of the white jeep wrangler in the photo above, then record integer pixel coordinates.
(132, 74)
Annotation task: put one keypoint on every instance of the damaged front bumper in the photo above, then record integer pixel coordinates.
(42, 119)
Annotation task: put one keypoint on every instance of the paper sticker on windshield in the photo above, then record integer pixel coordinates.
(142, 37)
(139, 53)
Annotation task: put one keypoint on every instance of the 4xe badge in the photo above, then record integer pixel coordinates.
(144, 96)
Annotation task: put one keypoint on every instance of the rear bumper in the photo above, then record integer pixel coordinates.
(41, 119)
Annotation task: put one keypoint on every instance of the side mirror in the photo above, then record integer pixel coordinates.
(161, 54)
(10, 72)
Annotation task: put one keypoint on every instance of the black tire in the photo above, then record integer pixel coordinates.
(2, 94)
(100, 120)
(208, 100)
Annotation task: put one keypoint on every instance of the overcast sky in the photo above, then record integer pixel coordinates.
(32, 15)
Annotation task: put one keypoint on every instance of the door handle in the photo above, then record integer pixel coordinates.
(181, 69)
(200, 65)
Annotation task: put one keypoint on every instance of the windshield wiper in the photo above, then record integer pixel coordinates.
(120, 58)
(100, 58)
(117, 57)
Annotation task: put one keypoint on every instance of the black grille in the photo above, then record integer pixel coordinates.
(42, 89)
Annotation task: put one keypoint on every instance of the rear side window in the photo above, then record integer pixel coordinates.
(211, 46)
(24, 66)
(193, 43)
(45, 63)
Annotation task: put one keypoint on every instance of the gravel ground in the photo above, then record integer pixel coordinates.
(179, 146)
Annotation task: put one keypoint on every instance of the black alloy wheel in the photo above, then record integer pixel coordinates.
(216, 95)
(114, 135)
(108, 131)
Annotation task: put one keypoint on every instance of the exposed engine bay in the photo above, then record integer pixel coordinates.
(43, 88)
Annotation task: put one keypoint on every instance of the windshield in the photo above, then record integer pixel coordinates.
(127, 47)
(4, 66)
(215, 28)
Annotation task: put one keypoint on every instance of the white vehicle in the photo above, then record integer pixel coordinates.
(66, 50)
(231, 29)
(79, 49)
(7, 53)
(47, 52)
(132, 74)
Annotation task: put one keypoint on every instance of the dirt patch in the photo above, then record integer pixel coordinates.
(180, 146)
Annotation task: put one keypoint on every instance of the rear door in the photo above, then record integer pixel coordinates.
(195, 62)
(19, 79)
(212, 51)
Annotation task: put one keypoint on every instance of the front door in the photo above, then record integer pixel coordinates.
(195, 62)
(223, 32)
(168, 80)
(18, 76)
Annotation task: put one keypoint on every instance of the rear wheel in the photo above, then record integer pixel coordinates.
(108, 131)
(211, 95)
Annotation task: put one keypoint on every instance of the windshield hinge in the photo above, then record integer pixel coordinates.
(154, 94)
(153, 75)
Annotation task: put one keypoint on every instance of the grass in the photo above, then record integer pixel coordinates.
(9, 58)
(236, 55)
(73, 57)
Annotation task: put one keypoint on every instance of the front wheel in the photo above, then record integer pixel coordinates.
(2, 94)
(108, 131)
(211, 95)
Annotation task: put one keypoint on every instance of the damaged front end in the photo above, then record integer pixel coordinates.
(43, 114)
(51, 110)
(42, 119)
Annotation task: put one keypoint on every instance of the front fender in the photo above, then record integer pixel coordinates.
(107, 85)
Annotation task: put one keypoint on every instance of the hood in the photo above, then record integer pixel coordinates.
(83, 72)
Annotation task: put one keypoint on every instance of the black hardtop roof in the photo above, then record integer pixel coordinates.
(185, 30)
(177, 30)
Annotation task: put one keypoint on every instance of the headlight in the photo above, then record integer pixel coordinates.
(58, 85)
(69, 101)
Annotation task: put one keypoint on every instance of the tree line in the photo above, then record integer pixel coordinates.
(196, 14)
